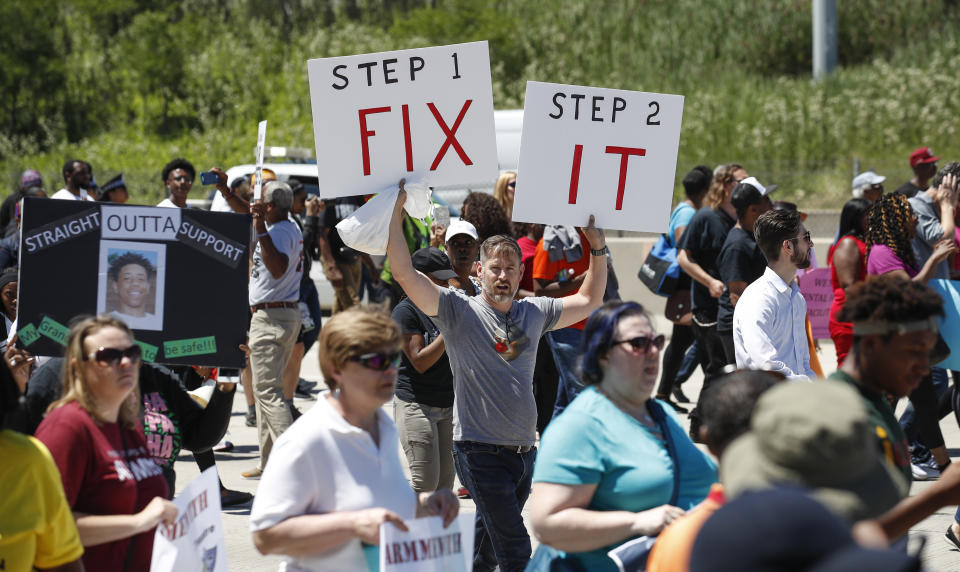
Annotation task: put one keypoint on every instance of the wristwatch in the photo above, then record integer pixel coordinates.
(602, 252)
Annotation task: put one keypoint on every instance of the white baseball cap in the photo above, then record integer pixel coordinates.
(461, 226)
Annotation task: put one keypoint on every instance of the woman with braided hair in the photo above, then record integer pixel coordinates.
(891, 226)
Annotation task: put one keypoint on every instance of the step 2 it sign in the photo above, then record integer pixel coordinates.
(606, 152)
(424, 115)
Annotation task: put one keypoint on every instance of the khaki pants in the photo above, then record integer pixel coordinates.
(348, 294)
(273, 332)
(426, 435)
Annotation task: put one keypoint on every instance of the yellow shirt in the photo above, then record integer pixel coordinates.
(37, 528)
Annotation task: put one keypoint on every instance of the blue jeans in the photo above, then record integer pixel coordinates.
(498, 479)
(565, 347)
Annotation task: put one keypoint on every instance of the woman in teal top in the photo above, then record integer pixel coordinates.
(605, 472)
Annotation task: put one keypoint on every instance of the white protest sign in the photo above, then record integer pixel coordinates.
(428, 546)
(138, 223)
(607, 152)
(425, 115)
(195, 540)
(258, 176)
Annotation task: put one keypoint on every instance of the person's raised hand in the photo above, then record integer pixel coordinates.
(368, 521)
(651, 522)
(947, 191)
(259, 212)
(441, 503)
(594, 235)
(436, 234)
(221, 184)
(314, 206)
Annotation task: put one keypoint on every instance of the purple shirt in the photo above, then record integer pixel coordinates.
(883, 259)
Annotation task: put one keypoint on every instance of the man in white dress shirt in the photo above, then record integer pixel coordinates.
(769, 322)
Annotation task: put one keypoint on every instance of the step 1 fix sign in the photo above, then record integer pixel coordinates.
(606, 152)
(424, 115)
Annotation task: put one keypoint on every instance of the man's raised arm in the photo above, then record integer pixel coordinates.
(578, 306)
(421, 291)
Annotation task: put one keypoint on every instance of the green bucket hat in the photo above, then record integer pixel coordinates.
(817, 436)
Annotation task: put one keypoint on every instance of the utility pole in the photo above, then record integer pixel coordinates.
(824, 38)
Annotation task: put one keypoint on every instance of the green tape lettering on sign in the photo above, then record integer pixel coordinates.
(54, 330)
(149, 351)
(28, 334)
(191, 347)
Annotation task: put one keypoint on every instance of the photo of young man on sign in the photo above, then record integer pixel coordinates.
(131, 282)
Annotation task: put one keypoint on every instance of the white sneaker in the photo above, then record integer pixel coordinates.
(924, 472)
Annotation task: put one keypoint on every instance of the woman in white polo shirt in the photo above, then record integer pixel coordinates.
(335, 475)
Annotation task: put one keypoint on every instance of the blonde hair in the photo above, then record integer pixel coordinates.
(500, 192)
(74, 386)
(351, 333)
(718, 187)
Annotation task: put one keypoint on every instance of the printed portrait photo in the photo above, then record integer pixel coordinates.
(131, 279)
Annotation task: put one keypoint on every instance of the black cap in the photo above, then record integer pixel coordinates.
(433, 261)
(114, 183)
(743, 196)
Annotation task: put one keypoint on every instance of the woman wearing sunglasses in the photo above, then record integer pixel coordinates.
(616, 464)
(116, 491)
(335, 475)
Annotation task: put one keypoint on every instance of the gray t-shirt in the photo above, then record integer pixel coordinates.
(493, 392)
(929, 232)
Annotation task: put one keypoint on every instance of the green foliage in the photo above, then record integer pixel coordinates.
(130, 84)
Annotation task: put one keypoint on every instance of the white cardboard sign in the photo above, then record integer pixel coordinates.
(427, 546)
(195, 540)
(258, 174)
(424, 114)
(589, 150)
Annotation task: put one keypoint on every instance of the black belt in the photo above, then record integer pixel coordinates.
(518, 449)
(265, 305)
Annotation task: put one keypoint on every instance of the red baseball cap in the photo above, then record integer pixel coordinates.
(921, 156)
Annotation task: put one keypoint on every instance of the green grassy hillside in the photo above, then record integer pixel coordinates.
(129, 84)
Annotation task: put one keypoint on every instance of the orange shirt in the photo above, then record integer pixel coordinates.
(546, 270)
(674, 545)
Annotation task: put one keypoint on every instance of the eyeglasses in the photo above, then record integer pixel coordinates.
(378, 361)
(876, 188)
(182, 179)
(512, 184)
(110, 357)
(643, 343)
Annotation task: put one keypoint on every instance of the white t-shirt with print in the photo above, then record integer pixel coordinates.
(287, 239)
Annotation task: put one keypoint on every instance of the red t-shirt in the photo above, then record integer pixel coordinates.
(528, 248)
(546, 270)
(99, 478)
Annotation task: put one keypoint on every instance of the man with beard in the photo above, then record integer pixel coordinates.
(492, 341)
(769, 322)
(76, 179)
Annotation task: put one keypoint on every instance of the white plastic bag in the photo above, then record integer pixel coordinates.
(368, 228)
